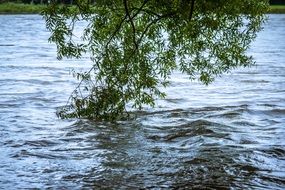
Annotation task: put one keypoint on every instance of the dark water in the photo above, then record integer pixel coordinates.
(229, 135)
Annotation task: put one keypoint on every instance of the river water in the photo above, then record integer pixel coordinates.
(228, 135)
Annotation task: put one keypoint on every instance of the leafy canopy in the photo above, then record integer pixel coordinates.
(136, 44)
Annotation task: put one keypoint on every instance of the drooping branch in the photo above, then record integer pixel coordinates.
(131, 56)
(127, 15)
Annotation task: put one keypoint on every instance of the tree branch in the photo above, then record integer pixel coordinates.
(146, 11)
(153, 22)
(139, 9)
(191, 9)
(132, 23)
(116, 31)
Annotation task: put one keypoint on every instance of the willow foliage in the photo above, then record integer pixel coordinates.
(136, 44)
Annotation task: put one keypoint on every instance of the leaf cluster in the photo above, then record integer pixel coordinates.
(136, 44)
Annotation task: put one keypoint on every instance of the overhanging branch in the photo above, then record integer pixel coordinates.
(132, 23)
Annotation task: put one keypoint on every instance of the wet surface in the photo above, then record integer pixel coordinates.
(228, 135)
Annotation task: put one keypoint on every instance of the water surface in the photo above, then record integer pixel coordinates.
(229, 135)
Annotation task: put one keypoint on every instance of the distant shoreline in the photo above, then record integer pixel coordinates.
(277, 9)
(19, 8)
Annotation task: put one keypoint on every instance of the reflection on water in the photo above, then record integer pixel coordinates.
(229, 134)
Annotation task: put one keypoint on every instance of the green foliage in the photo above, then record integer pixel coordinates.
(135, 45)
(20, 8)
(277, 9)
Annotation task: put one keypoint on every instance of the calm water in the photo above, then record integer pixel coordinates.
(228, 135)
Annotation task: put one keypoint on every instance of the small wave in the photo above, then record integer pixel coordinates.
(6, 45)
(244, 123)
(196, 161)
(175, 100)
(277, 111)
(248, 141)
(41, 143)
(280, 181)
(25, 153)
(278, 152)
(228, 115)
(191, 129)
(255, 81)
